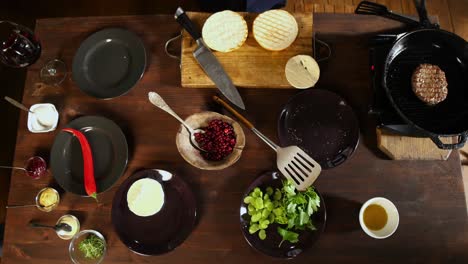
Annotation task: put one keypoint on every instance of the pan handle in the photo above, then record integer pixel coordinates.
(460, 142)
(317, 56)
(382, 39)
(168, 43)
(422, 12)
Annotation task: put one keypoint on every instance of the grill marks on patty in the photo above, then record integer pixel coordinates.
(429, 84)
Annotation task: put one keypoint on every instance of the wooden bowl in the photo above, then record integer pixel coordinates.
(193, 156)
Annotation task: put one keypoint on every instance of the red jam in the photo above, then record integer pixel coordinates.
(36, 167)
(218, 140)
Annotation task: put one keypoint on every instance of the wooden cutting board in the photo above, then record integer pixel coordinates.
(399, 147)
(251, 65)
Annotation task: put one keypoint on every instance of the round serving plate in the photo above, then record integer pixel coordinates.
(109, 149)
(164, 231)
(270, 246)
(109, 63)
(322, 124)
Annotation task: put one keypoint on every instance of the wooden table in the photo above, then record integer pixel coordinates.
(429, 195)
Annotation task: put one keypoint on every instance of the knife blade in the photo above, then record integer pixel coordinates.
(209, 62)
(215, 71)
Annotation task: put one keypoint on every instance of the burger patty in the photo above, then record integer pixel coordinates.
(429, 84)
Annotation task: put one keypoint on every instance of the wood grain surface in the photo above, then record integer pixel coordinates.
(429, 195)
(251, 65)
(399, 147)
(459, 14)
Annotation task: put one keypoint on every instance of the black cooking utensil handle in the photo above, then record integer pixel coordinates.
(422, 12)
(460, 142)
(187, 24)
(405, 20)
(338, 160)
(383, 39)
(371, 8)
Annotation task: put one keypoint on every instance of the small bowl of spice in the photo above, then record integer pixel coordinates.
(223, 141)
(88, 246)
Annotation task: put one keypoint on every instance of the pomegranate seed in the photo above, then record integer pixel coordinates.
(218, 140)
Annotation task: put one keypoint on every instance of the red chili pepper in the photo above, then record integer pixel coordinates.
(89, 181)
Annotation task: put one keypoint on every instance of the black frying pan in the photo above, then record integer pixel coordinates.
(427, 44)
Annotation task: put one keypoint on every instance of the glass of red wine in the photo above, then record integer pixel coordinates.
(19, 47)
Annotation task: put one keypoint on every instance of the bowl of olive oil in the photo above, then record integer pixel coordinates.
(379, 218)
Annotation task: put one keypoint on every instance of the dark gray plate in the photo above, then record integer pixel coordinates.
(322, 124)
(161, 232)
(109, 148)
(269, 246)
(109, 63)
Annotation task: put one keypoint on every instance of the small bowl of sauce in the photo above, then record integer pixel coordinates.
(47, 199)
(36, 167)
(379, 218)
(42, 118)
(73, 222)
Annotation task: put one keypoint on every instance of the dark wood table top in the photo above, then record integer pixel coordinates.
(429, 194)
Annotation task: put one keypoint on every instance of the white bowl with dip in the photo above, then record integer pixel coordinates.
(371, 225)
(73, 222)
(43, 119)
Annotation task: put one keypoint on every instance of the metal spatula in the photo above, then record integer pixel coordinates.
(293, 162)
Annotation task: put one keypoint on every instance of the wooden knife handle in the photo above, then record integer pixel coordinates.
(233, 111)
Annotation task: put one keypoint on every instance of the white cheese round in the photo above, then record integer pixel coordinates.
(225, 31)
(145, 197)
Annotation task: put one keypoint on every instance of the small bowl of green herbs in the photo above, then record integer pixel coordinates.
(87, 247)
(278, 220)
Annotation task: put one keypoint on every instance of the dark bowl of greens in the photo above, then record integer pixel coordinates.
(87, 247)
(279, 221)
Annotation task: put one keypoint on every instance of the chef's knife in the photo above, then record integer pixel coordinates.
(208, 61)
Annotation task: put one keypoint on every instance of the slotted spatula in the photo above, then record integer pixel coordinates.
(293, 162)
(370, 8)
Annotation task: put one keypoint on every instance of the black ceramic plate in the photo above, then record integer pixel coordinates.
(269, 246)
(161, 232)
(109, 148)
(322, 124)
(109, 63)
